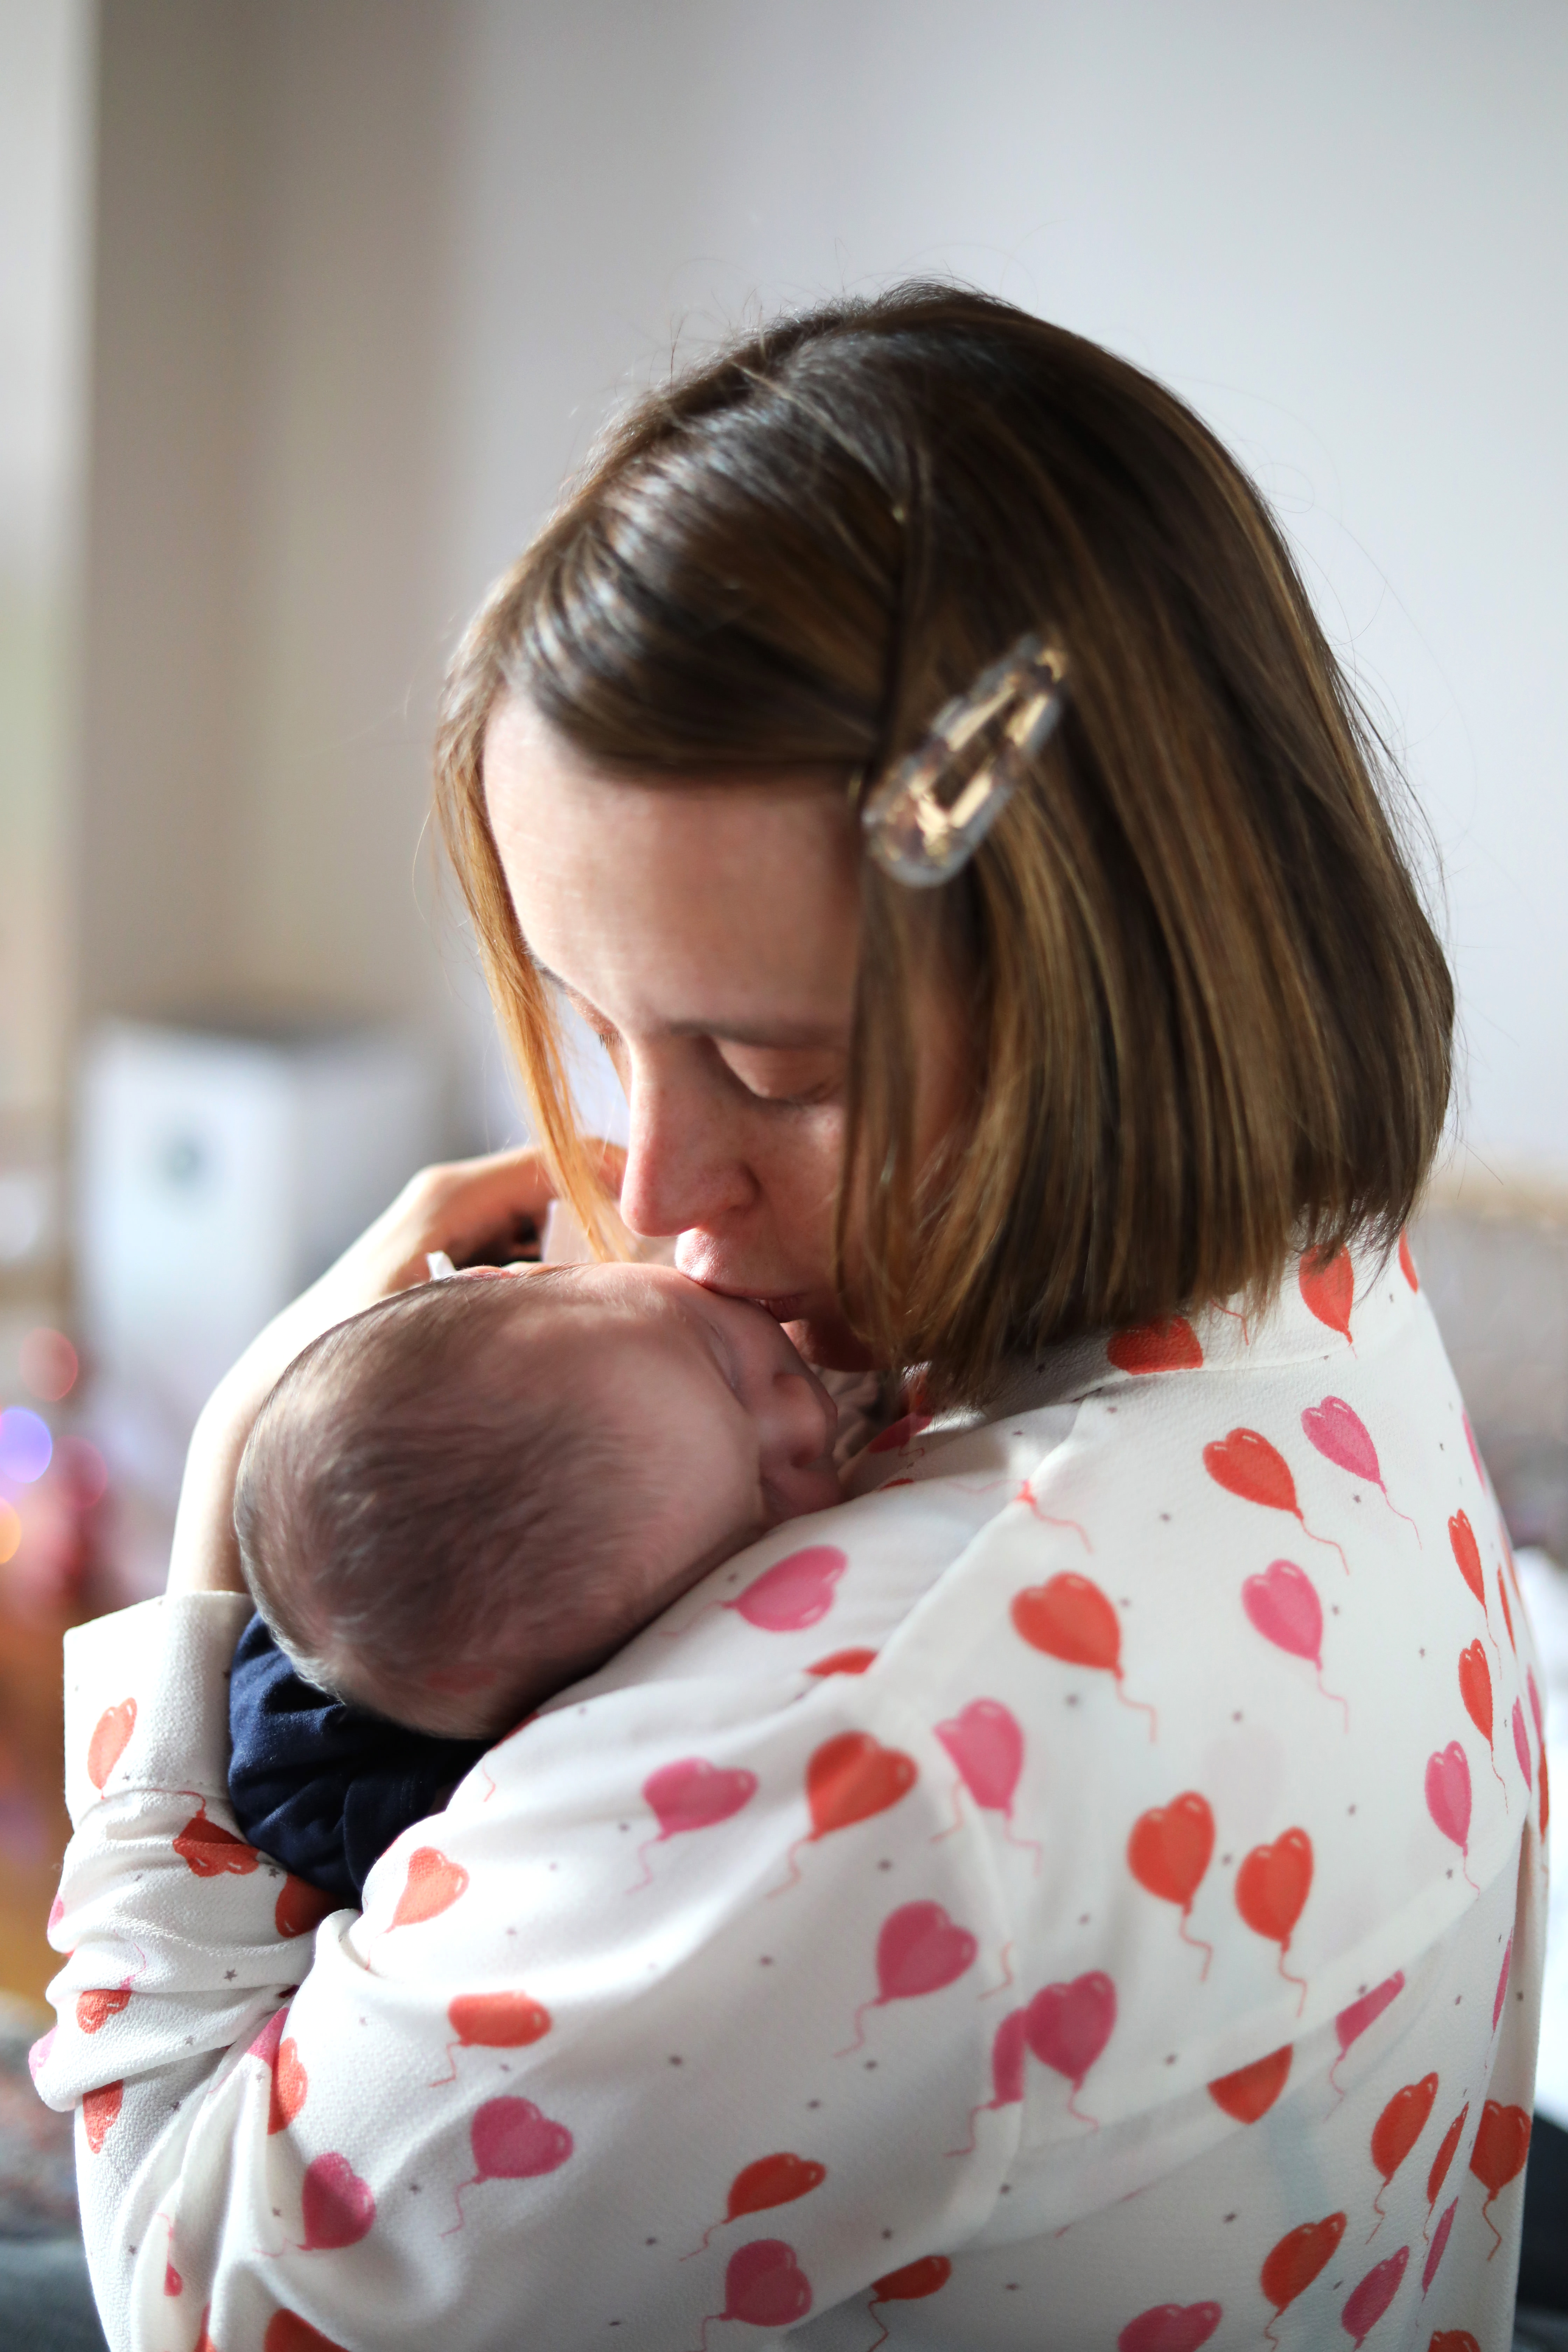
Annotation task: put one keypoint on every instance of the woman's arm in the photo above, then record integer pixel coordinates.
(677, 2011)
(471, 1209)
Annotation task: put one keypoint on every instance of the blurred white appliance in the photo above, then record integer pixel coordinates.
(218, 1171)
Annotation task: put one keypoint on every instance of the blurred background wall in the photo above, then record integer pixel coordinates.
(306, 305)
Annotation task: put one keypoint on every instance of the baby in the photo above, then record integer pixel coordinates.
(468, 1496)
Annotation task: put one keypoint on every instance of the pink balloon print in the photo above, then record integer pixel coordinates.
(1007, 2052)
(1534, 1709)
(987, 1746)
(795, 1592)
(1170, 2327)
(691, 1794)
(1366, 2303)
(1522, 1745)
(1501, 1992)
(764, 2287)
(1068, 2026)
(1438, 2246)
(338, 2207)
(1448, 1796)
(919, 1950)
(511, 2140)
(1353, 2021)
(39, 2055)
(1343, 1438)
(1283, 1606)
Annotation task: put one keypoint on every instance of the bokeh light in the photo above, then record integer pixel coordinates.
(82, 1470)
(10, 1532)
(49, 1364)
(25, 1445)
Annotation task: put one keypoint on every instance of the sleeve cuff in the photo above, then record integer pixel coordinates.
(147, 1697)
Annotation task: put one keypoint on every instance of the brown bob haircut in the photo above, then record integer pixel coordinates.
(1211, 1020)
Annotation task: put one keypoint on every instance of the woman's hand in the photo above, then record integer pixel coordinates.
(474, 1210)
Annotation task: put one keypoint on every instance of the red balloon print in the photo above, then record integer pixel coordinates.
(910, 2284)
(432, 1886)
(986, 1744)
(110, 1736)
(1328, 1286)
(100, 2113)
(1475, 1690)
(1168, 1347)
(492, 2020)
(173, 2282)
(337, 2207)
(300, 1907)
(1396, 2131)
(1247, 1465)
(1367, 2303)
(1502, 2144)
(1406, 1262)
(1445, 2156)
(94, 2008)
(1272, 1890)
(291, 2087)
(511, 2140)
(758, 2187)
(1070, 1619)
(1353, 2021)
(210, 1851)
(1252, 2090)
(1283, 1604)
(1467, 1556)
(1453, 2339)
(794, 1593)
(1545, 1797)
(1535, 1706)
(850, 1778)
(1506, 1613)
(1290, 2266)
(691, 1794)
(1341, 1437)
(764, 2287)
(1448, 1796)
(843, 1662)
(1438, 2247)
(1168, 1852)
(1068, 2026)
(1007, 2072)
(1501, 1993)
(1170, 2327)
(919, 1950)
(285, 2332)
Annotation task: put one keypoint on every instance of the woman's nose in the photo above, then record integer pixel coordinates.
(684, 1168)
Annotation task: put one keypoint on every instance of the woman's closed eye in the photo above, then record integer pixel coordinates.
(785, 1077)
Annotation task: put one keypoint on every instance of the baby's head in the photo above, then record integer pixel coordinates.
(476, 1490)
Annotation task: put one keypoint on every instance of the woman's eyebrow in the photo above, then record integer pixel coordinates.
(788, 1037)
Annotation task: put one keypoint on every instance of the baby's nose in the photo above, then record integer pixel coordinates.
(804, 1417)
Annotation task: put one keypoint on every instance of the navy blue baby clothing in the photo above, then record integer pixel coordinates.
(321, 1787)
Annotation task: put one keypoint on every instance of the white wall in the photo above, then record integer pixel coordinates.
(1339, 229)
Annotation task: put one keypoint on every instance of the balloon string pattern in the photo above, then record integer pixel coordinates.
(1069, 1693)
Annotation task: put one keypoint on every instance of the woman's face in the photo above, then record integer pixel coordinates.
(710, 934)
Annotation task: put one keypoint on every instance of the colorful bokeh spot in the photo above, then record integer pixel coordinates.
(49, 1364)
(26, 1447)
(10, 1532)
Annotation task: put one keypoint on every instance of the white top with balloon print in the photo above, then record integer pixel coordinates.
(1084, 1886)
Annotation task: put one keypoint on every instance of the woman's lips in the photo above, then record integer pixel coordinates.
(785, 1306)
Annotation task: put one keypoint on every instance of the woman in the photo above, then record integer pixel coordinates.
(1082, 1891)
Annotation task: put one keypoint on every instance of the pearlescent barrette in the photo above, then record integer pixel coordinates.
(928, 817)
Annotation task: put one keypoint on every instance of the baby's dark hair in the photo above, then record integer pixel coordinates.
(432, 1522)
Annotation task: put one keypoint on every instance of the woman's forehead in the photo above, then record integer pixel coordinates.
(680, 905)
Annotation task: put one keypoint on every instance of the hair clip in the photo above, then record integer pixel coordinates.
(926, 819)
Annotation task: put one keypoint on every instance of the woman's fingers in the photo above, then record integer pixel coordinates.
(472, 1209)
